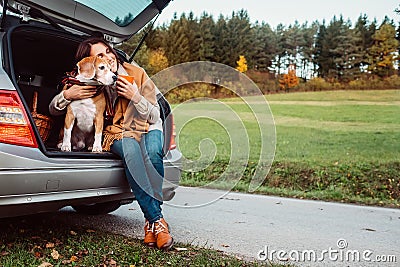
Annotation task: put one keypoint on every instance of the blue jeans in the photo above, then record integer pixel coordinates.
(154, 141)
(144, 180)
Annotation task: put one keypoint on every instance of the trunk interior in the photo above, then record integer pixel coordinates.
(38, 59)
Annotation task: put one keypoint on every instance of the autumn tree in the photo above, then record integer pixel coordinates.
(157, 61)
(241, 64)
(382, 53)
(289, 80)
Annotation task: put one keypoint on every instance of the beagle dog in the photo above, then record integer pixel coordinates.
(84, 119)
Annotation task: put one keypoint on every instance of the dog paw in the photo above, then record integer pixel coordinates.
(97, 149)
(66, 147)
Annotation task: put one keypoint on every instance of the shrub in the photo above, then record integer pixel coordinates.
(318, 84)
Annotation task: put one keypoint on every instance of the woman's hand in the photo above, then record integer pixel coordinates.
(128, 90)
(76, 92)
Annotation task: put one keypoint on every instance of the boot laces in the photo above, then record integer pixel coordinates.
(160, 227)
(149, 227)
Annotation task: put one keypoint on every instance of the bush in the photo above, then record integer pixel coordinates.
(318, 84)
(393, 82)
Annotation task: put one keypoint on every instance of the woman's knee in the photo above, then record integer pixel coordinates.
(125, 147)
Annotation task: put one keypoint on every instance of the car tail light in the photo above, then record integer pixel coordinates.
(15, 127)
(172, 144)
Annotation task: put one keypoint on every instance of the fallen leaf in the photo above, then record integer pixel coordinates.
(227, 198)
(45, 264)
(181, 249)
(55, 254)
(132, 265)
(369, 229)
(38, 254)
(73, 258)
(4, 253)
(90, 231)
(50, 245)
(73, 232)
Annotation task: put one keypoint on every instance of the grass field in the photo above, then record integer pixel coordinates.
(334, 145)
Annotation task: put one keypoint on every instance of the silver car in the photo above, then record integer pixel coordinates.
(38, 43)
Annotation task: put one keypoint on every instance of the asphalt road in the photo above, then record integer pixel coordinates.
(314, 233)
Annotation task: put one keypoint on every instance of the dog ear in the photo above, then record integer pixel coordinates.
(86, 67)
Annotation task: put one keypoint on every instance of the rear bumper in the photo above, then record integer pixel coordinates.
(31, 182)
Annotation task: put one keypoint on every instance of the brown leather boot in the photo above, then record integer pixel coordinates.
(150, 239)
(164, 239)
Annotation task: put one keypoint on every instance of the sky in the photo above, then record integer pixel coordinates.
(286, 12)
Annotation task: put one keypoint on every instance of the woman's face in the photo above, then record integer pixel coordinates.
(103, 51)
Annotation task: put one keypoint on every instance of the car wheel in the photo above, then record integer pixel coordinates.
(97, 208)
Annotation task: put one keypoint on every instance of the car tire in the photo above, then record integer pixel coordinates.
(98, 208)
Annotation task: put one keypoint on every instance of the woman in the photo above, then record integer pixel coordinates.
(135, 135)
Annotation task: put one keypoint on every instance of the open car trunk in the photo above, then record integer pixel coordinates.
(37, 60)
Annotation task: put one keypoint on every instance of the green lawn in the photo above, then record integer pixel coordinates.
(357, 132)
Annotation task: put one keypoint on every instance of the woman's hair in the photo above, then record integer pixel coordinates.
(85, 47)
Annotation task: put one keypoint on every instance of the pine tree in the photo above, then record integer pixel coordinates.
(349, 55)
(192, 30)
(207, 44)
(221, 41)
(239, 36)
(327, 48)
(177, 47)
(308, 49)
(294, 41)
(277, 63)
(364, 30)
(264, 47)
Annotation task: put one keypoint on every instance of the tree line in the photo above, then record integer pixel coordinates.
(336, 51)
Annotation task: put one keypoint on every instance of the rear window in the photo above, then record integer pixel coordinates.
(121, 12)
